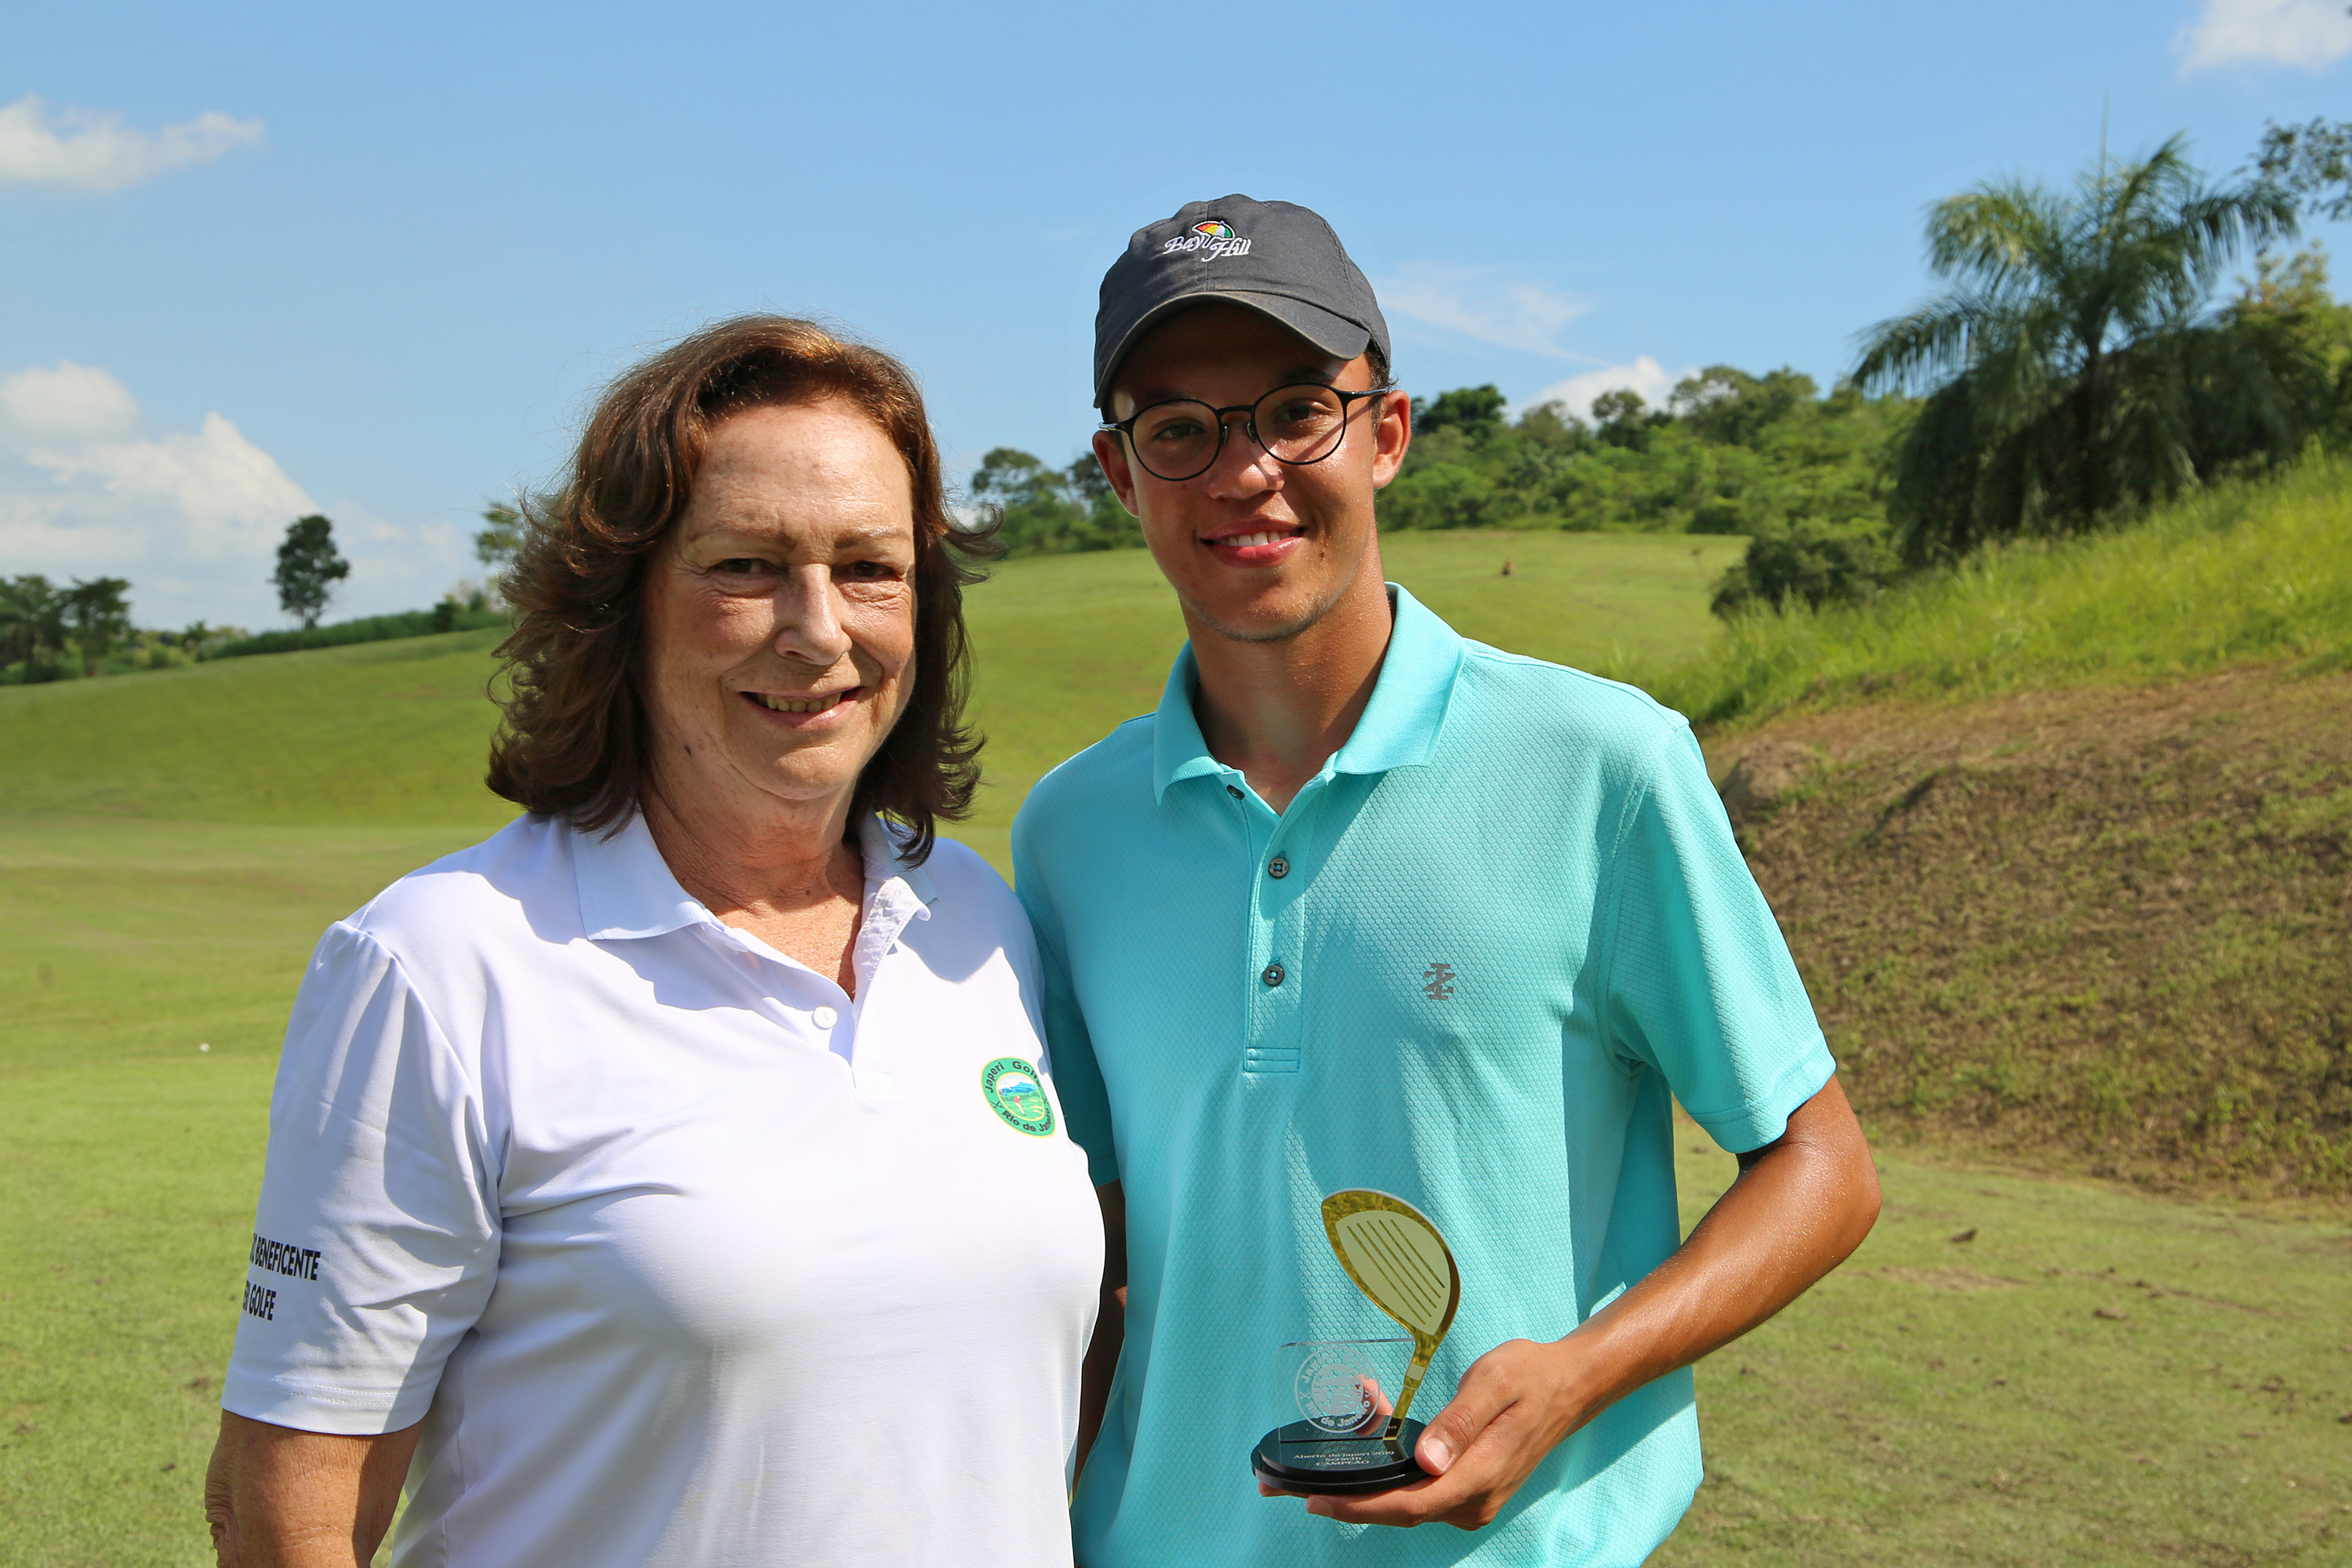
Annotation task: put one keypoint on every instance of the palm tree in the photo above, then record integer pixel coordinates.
(2074, 364)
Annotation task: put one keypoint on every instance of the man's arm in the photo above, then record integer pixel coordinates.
(1110, 1323)
(1799, 1206)
(279, 1497)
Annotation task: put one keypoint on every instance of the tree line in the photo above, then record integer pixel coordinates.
(2080, 364)
(84, 628)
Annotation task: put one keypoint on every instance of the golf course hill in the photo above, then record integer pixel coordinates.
(2062, 838)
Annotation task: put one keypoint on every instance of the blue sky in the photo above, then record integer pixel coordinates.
(373, 260)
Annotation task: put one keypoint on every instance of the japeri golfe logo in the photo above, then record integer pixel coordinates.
(1011, 1087)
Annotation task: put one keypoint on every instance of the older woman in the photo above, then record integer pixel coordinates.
(670, 1179)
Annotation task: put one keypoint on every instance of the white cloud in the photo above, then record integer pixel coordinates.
(86, 490)
(2306, 33)
(89, 488)
(1644, 375)
(79, 150)
(73, 402)
(1479, 302)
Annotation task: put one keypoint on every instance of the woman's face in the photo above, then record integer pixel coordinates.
(780, 614)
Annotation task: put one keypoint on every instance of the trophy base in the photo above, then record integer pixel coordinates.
(1304, 1458)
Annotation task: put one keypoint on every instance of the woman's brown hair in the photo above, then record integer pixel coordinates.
(574, 740)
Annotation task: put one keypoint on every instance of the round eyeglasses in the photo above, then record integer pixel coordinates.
(1295, 425)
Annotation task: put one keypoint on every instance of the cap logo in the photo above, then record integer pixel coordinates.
(1213, 235)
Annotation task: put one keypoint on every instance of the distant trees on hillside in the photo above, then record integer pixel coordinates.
(1044, 511)
(1731, 453)
(307, 568)
(40, 624)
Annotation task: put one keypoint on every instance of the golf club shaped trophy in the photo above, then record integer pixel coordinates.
(1349, 1440)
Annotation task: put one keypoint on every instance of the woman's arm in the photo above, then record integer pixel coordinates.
(1110, 1322)
(276, 1497)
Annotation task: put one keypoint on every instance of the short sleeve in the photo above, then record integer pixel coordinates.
(1700, 983)
(1077, 1078)
(376, 1239)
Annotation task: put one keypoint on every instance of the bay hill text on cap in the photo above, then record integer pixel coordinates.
(1274, 257)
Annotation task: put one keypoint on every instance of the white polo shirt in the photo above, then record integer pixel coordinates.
(682, 1255)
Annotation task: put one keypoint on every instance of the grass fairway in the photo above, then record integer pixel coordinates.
(1072, 646)
(2095, 1377)
(131, 1158)
(171, 846)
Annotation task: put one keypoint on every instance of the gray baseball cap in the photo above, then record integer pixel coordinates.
(1279, 260)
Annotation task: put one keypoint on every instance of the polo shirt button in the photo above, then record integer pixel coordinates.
(1272, 975)
(824, 1017)
(1234, 791)
(1277, 868)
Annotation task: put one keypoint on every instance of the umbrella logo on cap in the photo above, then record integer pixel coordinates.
(1213, 235)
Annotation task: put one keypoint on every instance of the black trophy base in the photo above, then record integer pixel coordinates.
(1304, 1458)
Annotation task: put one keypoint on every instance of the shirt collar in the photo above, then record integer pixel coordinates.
(626, 889)
(1399, 726)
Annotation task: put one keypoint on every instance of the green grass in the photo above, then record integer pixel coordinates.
(171, 846)
(385, 733)
(1937, 1401)
(2250, 571)
(131, 1158)
(1071, 645)
(393, 733)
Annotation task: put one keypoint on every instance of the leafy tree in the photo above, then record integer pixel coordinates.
(1811, 560)
(97, 613)
(2073, 366)
(1476, 411)
(2311, 164)
(32, 623)
(197, 639)
(497, 544)
(1044, 511)
(2303, 334)
(1444, 495)
(1721, 404)
(308, 567)
(1624, 419)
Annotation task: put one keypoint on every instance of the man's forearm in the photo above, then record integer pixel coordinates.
(1798, 1208)
(1800, 1204)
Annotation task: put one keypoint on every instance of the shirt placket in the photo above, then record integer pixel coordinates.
(1274, 1011)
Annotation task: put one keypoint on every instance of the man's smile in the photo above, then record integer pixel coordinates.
(1255, 545)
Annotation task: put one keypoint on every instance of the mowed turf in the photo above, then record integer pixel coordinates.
(171, 845)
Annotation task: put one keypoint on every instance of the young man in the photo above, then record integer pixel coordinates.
(1364, 904)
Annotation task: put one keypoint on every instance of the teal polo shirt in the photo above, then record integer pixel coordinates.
(1472, 964)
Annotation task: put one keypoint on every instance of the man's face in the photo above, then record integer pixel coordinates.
(1256, 550)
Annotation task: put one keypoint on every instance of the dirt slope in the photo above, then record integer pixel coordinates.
(2106, 932)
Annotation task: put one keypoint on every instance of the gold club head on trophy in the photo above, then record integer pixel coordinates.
(1400, 1261)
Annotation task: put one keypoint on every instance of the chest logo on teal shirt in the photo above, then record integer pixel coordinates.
(1438, 980)
(1012, 1089)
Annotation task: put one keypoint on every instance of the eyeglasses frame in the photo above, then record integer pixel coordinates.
(1347, 400)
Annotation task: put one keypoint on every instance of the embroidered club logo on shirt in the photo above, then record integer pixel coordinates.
(1011, 1087)
(1438, 980)
(1213, 235)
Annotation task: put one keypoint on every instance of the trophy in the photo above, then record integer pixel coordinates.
(1350, 1439)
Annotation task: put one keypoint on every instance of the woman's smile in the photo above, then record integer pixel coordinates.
(805, 713)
